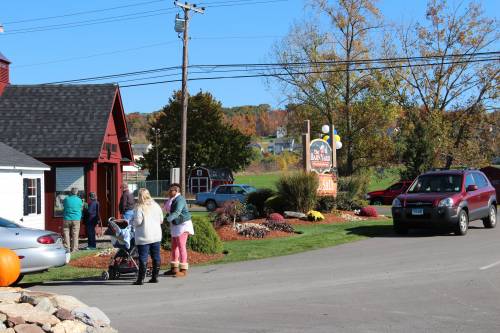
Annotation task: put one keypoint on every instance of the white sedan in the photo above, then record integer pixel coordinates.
(38, 250)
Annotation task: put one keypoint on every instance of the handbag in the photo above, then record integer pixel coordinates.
(99, 229)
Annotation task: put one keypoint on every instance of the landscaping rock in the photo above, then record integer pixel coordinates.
(2, 327)
(9, 297)
(45, 305)
(47, 327)
(64, 314)
(27, 328)
(34, 297)
(16, 309)
(13, 321)
(70, 326)
(67, 302)
(9, 330)
(296, 215)
(3, 317)
(106, 329)
(91, 316)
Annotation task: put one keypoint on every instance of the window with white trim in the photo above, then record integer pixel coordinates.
(32, 196)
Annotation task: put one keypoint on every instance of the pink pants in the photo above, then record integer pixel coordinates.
(178, 245)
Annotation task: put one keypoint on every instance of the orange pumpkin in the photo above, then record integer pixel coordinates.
(10, 267)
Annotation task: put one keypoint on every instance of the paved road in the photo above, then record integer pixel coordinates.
(418, 283)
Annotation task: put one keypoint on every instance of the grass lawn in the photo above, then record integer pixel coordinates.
(64, 273)
(312, 237)
(384, 180)
(263, 180)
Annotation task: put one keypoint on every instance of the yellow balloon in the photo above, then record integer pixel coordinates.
(326, 137)
(337, 138)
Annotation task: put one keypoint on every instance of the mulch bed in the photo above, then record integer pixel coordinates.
(103, 261)
(226, 233)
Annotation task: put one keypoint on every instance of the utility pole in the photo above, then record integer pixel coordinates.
(186, 8)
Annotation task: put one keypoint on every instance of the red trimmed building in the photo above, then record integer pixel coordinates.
(79, 131)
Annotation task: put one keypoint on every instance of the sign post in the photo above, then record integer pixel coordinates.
(306, 144)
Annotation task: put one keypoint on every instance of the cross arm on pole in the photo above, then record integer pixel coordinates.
(188, 6)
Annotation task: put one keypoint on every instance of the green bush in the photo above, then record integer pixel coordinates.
(326, 204)
(275, 204)
(299, 190)
(204, 240)
(352, 192)
(345, 201)
(258, 200)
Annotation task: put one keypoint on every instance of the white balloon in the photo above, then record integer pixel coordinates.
(338, 144)
(325, 129)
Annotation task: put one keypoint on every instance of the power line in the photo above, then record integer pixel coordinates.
(309, 72)
(288, 64)
(82, 12)
(127, 17)
(118, 18)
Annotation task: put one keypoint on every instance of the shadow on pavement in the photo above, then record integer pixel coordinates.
(387, 231)
(90, 281)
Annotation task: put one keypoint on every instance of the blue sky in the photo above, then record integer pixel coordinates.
(233, 34)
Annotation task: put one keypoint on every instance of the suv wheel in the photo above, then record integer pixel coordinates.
(211, 205)
(463, 223)
(491, 220)
(400, 229)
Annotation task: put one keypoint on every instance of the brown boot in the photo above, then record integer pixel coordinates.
(183, 271)
(174, 269)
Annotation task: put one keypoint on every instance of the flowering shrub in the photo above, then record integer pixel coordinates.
(315, 216)
(276, 217)
(368, 211)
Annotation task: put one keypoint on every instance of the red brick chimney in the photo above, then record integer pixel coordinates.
(4, 72)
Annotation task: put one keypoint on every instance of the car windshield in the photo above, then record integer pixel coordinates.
(7, 224)
(437, 184)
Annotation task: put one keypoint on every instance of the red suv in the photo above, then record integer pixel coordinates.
(447, 199)
(385, 197)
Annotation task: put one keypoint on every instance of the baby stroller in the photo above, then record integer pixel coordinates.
(125, 260)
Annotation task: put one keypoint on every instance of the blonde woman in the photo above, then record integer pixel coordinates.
(147, 221)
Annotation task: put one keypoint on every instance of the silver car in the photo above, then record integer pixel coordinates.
(38, 250)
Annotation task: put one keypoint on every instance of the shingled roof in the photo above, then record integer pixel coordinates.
(11, 158)
(53, 121)
(4, 58)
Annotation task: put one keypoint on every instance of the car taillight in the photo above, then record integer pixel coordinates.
(47, 239)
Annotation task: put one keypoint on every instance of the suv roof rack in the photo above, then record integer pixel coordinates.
(453, 168)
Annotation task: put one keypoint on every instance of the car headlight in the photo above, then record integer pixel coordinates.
(396, 203)
(448, 202)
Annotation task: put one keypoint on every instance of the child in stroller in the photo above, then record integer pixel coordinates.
(125, 259)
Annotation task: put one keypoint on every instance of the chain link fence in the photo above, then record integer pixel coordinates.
(156, 188)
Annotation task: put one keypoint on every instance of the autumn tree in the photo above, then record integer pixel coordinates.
(447, 68)
(337, 81)
(210, 141)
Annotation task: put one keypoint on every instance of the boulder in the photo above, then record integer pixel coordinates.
(9, 296)
(3, 317)
(296, 215)
(64, 314)
(2, 327)
(67, 302)
(13, 321)
(27, 328)
(105, 329)
(91, 316)
(9, 330)
(69, 326)
(34, 297)
(27, 313)
(46, 327)
(45, 305)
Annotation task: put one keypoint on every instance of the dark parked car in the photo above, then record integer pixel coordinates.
(223, 193)
(448, 199)
(385, 197)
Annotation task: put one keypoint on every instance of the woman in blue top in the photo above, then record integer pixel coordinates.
(92, 220)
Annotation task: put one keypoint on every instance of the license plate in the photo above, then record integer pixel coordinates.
(417, 211)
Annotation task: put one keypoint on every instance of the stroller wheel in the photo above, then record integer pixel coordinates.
(113, 273)
(105, 276)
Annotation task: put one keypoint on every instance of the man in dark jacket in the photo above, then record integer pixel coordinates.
(127, 203)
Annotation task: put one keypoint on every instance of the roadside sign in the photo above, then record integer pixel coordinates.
(327, 185)
(320, 156)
